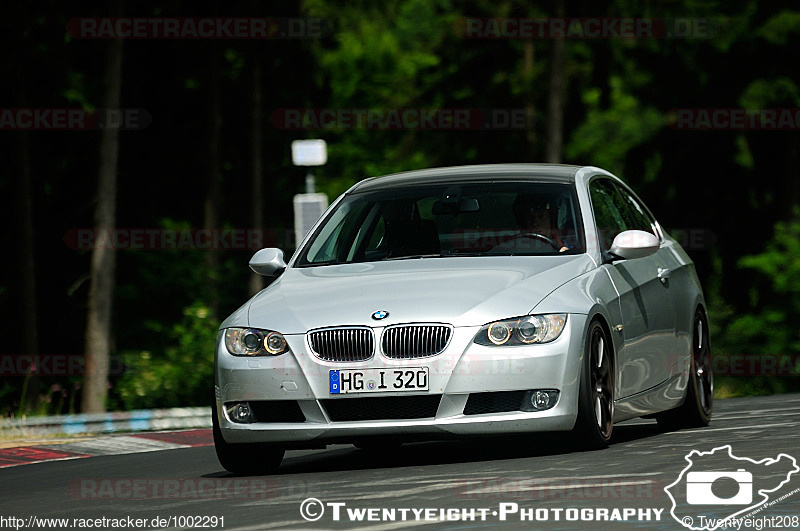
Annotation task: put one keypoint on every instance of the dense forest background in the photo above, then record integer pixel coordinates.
(211, 150)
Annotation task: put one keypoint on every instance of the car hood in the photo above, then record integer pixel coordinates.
(462, 291)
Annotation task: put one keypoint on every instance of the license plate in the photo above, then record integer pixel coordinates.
(378, 380)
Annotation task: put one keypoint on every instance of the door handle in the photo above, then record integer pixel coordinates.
(663, 274)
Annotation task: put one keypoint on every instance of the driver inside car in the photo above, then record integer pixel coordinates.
(536, 214)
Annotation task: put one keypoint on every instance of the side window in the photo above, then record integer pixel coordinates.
(606, 204)
(639, 217)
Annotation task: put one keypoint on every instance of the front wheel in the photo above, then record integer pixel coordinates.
(699, 401)
(248, 459)
(595, 422)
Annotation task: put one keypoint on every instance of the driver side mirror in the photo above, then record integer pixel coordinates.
(268, 262)
(631, 244)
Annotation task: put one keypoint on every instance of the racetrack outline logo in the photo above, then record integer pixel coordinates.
(759, 497)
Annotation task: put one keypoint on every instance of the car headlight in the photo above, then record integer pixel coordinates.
(254, 342)
(522, 330)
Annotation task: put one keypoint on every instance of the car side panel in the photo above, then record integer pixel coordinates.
(648, 318)
(595, 295)
(688, 295)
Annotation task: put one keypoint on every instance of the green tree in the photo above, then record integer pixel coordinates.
(181, 374)
(770, 326)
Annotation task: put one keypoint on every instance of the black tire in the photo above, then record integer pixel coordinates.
(595, 424)
(251, 459)
(698, 404)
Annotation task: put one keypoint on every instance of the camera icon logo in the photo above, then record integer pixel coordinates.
(699, 488)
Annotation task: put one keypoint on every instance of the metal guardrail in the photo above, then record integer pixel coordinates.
(126, 421)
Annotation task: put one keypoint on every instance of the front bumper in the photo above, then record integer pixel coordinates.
(462, 369)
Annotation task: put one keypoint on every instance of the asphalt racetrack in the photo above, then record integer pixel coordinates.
(539, 482)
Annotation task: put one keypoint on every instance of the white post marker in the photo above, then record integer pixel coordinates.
(308, 207)
(307, 210)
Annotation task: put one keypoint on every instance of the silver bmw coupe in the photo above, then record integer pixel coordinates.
(464, 301)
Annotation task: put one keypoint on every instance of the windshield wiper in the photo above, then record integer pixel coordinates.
(465, 253)
(403, 257)
(438, 255)
(414, 256)
(324, 263)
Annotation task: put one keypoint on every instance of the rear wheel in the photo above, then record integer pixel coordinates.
(595, 422)
(699, 401)
(248, 459)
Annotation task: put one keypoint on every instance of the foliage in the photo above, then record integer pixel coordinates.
(608, 134)
(770, 326)
(181, 375)
(382, 58)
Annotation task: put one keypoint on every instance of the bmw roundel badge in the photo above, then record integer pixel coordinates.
(380, 314)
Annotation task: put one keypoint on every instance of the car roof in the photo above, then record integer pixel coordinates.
(555, 173)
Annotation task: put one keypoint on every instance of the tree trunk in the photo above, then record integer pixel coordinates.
(213, 175)
(555, 100)
(257, 191)
(101, 291)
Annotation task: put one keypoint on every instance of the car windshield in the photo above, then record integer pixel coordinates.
(475, 219)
